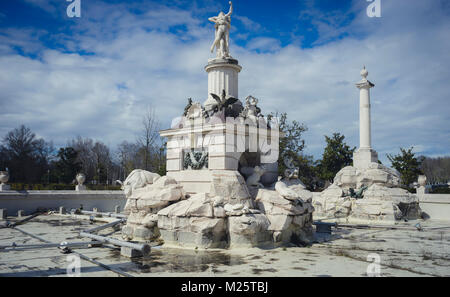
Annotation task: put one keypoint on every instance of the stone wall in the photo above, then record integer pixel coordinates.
(437, 206)
(29, 201)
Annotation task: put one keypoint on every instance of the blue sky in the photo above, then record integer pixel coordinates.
(96, 75)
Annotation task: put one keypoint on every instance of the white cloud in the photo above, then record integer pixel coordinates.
(249, 24)
(264, 44)
(156, 58)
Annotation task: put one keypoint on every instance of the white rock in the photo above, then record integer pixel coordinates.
(228, 207)
(219, 212)
(164, 181)
(248, 224)
(347, 177)
(138, 178)
(218, 200)
(237, 206)
(150, 220)
(279, 222)
(231, 186)
(285, 191)
(332, 191)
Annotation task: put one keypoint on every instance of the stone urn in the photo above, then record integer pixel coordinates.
(422, 180)
(4, 177)
(81, 178)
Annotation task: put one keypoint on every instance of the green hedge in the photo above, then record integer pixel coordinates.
(441, 190)
(103, 187)
(57, 187)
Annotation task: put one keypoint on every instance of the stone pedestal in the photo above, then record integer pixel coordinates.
(4, 187)
(363, 157)
(3, 213)
(224, 144)
(80, 188)
(4, 177)
(80, 178)
(421, 190)
(222, 75)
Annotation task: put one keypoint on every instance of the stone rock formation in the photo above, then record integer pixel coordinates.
(383, 199)
(138, 178)
(192, 223)
(231, 186)
(146, 194)
(225, 217)
(367, 190)
(289, 210)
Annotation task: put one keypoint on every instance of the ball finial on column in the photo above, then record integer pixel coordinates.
(364, 73)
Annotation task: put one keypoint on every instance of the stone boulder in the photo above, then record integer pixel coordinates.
(292, 190)
(347, 178)
(141, 226)
(380, 175)
(384, 203)
(231, 186)
(290, 219)
(144, 202)
(137, 179)
(249, 230)
(382, 200)
(351, 177)
(155, 196)
(191, 223)
(331, 203)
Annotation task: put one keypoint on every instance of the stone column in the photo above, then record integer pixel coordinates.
(364, 110)
(222, 75)
(365, 154)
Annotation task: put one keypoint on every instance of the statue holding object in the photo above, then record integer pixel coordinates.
(222, 35)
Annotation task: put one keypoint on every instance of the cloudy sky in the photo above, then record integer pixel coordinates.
(96, 75)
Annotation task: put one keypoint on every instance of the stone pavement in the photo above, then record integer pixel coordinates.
(402, 253)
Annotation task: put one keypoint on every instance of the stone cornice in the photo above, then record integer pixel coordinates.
(364, 84)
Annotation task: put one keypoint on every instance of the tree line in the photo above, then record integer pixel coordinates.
(318, 174)
(31, 160)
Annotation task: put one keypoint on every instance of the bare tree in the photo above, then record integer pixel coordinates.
(96, 159)
(128, 157)
(84, 148)
(26, 156)
(437, 170)
(149, 136)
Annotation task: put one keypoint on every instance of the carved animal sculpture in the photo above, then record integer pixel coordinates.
(255, 177)
(138, 178)
(283, 189)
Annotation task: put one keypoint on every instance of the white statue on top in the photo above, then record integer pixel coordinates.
(222, 37)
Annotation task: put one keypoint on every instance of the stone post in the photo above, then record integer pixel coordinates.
(4, 177)
(365, 154)
(422, 181)
(3, 213)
